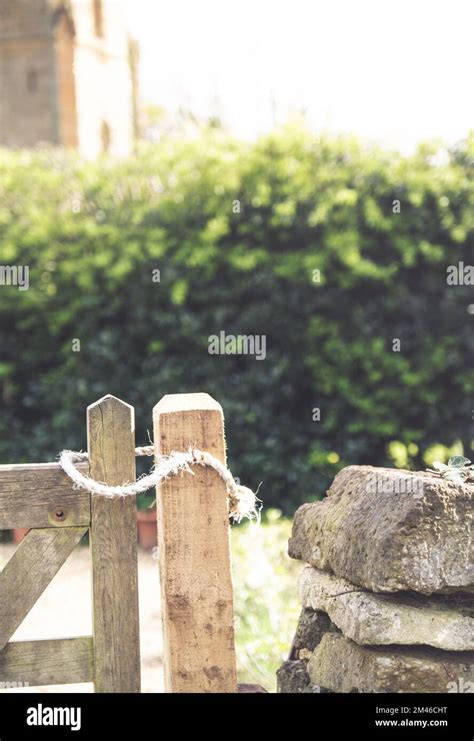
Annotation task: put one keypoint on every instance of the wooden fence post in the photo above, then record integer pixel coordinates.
(111, 446)
(193, 535)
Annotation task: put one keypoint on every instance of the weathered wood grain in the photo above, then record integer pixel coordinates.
(35, 562)
(111, 446)
(37, 663)
(196, 584)
(41, 495)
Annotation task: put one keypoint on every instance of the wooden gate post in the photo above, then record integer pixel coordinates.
(193, 537)
(111, 446)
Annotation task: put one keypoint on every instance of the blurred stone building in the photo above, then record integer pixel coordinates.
(68, 76)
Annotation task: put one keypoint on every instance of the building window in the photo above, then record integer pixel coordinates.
(98, 18)
(105, 136)
(32, 81)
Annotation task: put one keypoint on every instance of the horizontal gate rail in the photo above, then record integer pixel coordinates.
(39, 663)
(41, 495)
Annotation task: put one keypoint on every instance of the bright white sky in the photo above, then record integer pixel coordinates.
(397, 72)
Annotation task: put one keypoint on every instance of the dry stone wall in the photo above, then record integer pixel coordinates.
(388, 591)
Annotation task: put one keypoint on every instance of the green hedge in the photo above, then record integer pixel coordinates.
(93, 233)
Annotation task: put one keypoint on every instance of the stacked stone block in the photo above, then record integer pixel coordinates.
(388, 592)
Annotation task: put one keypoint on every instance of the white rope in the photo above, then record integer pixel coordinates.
(242, 501)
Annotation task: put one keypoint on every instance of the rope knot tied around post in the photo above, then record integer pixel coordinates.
(243, 502)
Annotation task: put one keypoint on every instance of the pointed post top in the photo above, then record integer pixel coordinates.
(108, 417)
(109, 401)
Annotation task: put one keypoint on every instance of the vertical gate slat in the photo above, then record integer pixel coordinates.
(111, 446)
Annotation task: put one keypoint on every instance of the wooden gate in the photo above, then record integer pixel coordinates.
(41, 497)
(196, 586)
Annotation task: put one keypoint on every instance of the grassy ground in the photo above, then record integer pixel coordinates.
(265, 594)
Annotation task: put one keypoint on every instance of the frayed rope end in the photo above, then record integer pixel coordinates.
(244, 504)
